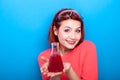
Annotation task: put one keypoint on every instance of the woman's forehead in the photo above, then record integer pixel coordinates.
(70, 24)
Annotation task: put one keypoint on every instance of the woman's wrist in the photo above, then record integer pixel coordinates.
(72, 75)
(69, 70)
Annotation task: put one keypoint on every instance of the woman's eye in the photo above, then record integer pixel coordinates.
(66, 30)
(78, 31)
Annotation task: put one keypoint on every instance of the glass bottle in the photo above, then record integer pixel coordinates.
(55, 62)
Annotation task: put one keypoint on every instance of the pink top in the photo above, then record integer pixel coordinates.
(83, 60)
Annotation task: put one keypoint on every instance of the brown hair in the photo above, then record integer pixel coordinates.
(60, 16)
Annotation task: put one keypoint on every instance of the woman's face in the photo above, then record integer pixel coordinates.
(69, 33)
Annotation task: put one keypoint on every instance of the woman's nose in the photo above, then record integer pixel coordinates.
(72, 35)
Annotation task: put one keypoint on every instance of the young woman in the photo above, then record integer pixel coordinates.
(78, 55)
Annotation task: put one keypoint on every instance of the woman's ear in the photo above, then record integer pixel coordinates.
(55, 30)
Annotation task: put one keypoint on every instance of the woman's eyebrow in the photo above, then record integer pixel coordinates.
(70, 27)
(67, 27)
(78, 27)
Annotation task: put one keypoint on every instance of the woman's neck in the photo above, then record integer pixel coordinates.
(63, 50)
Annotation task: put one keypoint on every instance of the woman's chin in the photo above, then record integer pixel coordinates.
(70, 47)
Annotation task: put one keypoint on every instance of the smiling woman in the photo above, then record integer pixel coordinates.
(69, 34)
(77, 54)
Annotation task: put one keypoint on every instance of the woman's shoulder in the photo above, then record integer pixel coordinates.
(87, 43)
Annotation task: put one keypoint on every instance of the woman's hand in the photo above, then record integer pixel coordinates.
(67, 67)
(44, 66)
(45, 71)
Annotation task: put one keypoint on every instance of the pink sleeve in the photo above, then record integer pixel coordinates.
(90, 68)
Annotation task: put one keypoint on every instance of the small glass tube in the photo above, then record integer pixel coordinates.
(55, 61)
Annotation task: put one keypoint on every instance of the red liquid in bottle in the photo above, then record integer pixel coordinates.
(55, 62)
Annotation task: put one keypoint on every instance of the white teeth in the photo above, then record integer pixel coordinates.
(71, 42)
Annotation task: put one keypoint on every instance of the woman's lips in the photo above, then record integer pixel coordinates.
(71, 42)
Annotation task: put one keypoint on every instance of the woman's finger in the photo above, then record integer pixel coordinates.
(53, 74)
(44, 67)
(44, 59)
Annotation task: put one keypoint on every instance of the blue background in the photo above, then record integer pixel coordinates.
(24, 26)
